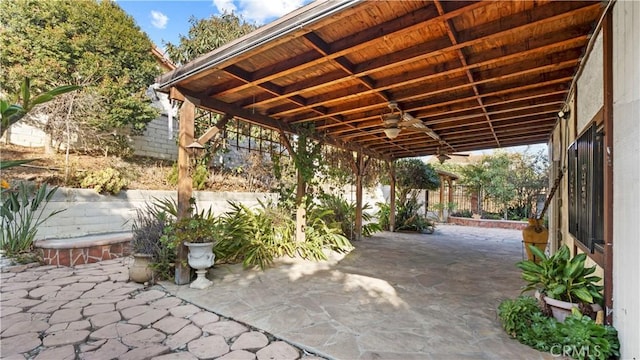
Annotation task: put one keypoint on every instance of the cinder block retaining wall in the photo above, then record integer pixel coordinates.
(89, 213)
(502, 224)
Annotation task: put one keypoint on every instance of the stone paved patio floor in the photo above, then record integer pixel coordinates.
(396, 296)
(93, 312)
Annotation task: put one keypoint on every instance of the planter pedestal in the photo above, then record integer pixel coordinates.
(200, 258)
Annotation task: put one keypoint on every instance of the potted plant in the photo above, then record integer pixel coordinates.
(198, 233)
(147, 229)
(563, 282)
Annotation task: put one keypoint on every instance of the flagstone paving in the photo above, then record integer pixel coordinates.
(93, 312)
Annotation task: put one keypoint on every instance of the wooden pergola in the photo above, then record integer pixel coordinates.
(475, 74)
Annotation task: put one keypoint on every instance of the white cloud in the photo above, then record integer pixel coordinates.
(258, 11)
(158, 19)
(225, 6)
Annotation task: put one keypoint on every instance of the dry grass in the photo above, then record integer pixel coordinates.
(143, 173)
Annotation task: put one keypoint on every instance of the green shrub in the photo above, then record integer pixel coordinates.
(22, 213)
(384, 211)
(343, 216)
(109, 181)
(258, 236)
(516, 314)
(255, 237)
(462, 213)
(578, 337)
(199, 176)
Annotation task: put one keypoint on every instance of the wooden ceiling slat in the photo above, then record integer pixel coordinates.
(479, 74)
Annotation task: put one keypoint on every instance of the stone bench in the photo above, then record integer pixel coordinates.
(84, 250)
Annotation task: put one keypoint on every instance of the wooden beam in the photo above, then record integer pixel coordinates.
(392, 195)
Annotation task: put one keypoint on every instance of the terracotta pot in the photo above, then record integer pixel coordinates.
(535, 234)
(140, 271)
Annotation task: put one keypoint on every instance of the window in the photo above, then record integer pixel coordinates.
(586, 189)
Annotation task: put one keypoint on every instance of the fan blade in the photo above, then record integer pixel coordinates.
(410, 121)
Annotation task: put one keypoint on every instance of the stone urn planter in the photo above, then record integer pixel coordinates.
(140, 271)
(201, 257)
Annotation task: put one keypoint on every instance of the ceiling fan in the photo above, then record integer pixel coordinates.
(396, 120)
(444, 156)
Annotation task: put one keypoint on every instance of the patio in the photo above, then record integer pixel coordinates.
(396, 296)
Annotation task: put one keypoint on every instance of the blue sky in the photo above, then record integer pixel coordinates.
(164, 20)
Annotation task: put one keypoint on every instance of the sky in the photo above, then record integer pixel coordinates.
(164, 20)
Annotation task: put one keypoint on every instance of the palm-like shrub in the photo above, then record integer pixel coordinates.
(343, 216)
(258, 236)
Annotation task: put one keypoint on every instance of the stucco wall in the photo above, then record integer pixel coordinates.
(590, 86)
(90, 213)
(626, 176)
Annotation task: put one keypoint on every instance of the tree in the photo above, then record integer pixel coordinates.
(413, 174)
(206, 35)
(512, 179)
(83, 42)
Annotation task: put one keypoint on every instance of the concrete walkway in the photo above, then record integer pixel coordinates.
(93, 312)
(397, 296)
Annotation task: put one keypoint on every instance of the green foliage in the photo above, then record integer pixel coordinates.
(415, 174)
(384, 211)
(562, 277)
(255, 236)
(107, 181)
(516, 314)
(462, 213)
(343, 215)
(12, 113)
(196, 229)
(199, 176)
(579, 337)
(22, 213)
(88, 42)
(258, 236)
(206, 35)
(408, 216)
(514, 180)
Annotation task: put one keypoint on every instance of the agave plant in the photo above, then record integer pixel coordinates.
(562, 277)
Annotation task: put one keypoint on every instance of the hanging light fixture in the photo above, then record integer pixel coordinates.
(391, 120)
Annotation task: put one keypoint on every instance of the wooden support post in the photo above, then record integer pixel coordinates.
(185, 188)
(450, 195)
(392, 196)
(359, 173)
(441, 210)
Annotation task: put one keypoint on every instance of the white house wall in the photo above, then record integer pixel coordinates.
(626, 176)
(590, 86)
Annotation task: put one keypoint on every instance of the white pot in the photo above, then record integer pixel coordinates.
(561, 309)
(201, 257)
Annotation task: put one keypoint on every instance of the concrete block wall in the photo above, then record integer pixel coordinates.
(25, 135)
(88, 213)
(157, 140)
